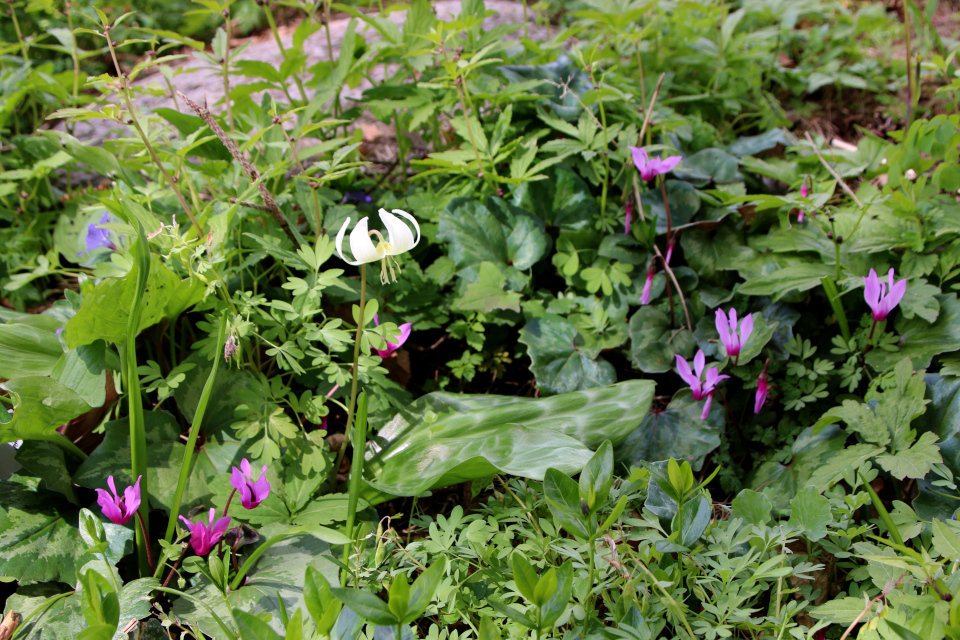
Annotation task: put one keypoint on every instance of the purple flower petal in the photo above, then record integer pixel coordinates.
(706, 407)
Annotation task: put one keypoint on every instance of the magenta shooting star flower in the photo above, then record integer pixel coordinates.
(203, 537)
(804, 192)
(881, 297)
(649, 167)
(626, 222)
(405, 329)
(251, 493)
(732, 339)
(116, 507)
(762, 388)
(700, 386)
(97, 236)
(645, 295)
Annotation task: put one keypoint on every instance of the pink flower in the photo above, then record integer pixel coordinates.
(649, 167)
(673, 241)
(116, 507)
(881, 299)
(626, 223)
(645, 296)
(804, 192)
(203, 537)
(251, 493)
(405, 330)
(230, 348)
(762, 387)
(732, 340)
(700, 387)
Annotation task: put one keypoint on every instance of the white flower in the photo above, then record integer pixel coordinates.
(399, 240)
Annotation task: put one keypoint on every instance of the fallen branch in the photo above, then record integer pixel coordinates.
(833, 172)
(270, 205)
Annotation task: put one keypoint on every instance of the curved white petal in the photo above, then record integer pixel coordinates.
(413, 221)
(361, 245)
(398, 234)
(340, 234)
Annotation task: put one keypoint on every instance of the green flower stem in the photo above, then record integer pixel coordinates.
(249, 562)
(833, 295)
(25, 48)
(353, 383)
(225, 70)
(194, 432)
(356, 477)
(882, 510)
(283, 51)
(138, 436)
(590, 577)
(125, 95)
(227, 630)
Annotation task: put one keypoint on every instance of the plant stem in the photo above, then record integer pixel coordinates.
(867, 347)
(666, 207)
(906, 28)
(643, 89)
(834, 173)
(143, 530)
(24, 47)
(226, 72)
(356, 477)
(353, 382)
(226, 510)
(176, 564)
(283, 52)
(195, 431)
(76, 63)
(666, 267)
(326, 27)
(590, 578)
(146, 141)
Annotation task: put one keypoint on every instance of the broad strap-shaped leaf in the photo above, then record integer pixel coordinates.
(454, 438)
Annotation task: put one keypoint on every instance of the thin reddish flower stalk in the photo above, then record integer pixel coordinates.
(146, 543)
(226, 510)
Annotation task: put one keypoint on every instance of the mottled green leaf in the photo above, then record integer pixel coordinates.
(164, 457)
(921, 341)
(557, 362)
(278, 573)
(39, 539)
(562, 200)
(675, 432)
(683, 199)
(654, 343)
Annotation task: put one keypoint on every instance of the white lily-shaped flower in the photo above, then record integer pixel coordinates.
(399, 240)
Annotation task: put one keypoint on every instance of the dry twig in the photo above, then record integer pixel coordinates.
(248, 168)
